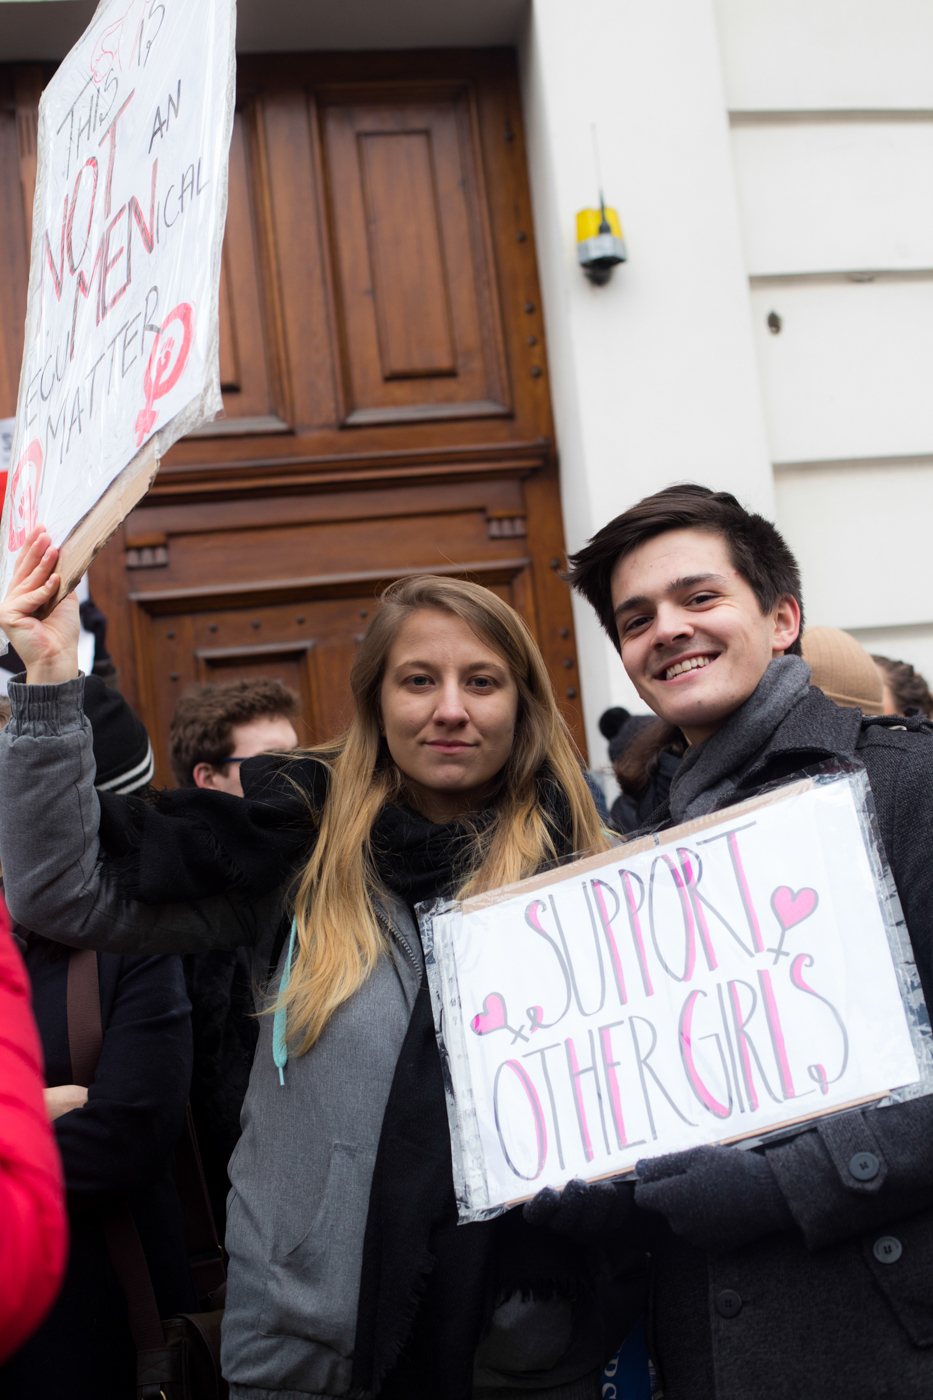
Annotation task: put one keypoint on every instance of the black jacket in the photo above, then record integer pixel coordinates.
(629, 813)
(815, 1312)
(119, 1146)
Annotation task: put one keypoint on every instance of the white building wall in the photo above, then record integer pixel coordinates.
(653, 377)
(831, 106)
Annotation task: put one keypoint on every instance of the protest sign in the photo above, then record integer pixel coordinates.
(121, 350)
(726, 978)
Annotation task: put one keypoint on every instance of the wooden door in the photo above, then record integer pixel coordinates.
(384, 379)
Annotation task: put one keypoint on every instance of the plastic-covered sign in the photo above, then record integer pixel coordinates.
(121, 351)
(722, 980)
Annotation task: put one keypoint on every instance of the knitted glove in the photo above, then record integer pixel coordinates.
(716, 1198)
(583, 1210)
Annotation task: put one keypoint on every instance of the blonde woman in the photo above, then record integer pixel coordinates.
(348, 1274)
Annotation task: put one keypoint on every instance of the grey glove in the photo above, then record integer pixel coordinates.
(583, 1210)
(716, 1198)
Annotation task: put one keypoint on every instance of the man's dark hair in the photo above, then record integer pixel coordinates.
(755, 547)
(202, 726)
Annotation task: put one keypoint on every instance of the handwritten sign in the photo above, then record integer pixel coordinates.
(121, 352)
(724, 979)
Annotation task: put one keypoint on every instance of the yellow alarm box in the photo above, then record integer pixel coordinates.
(599, 248)
(589, 220)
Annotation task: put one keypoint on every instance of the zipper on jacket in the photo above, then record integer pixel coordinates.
(398, 938)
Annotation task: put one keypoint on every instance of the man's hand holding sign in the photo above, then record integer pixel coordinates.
(122, 318)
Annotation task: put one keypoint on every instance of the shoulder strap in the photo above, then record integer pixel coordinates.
(85, 1036)
(205, 1255)
(85, 1042)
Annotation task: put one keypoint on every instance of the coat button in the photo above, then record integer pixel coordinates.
(864, 1166)
(729, 1304)
(887, 1249)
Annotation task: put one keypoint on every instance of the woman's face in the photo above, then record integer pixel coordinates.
(449, 706)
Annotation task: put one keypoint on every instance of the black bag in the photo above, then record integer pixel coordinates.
(178, 1358)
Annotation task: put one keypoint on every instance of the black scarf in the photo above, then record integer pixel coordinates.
(428, 1285)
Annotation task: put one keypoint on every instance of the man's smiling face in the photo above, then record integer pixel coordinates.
(694, 640)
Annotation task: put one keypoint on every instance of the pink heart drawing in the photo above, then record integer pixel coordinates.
(790, 908)
(492, 1017)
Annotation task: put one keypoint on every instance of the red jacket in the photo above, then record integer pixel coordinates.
(33, 1223)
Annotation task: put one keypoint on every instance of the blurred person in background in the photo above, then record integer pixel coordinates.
(215, 726)
(905, 690)
(843, 670)
(645, 753)
(117, 1137)
(220, 723)
(33, 1224)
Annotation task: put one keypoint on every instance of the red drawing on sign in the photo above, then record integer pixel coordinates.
(118, 42)
(24, 494)
(157, 381)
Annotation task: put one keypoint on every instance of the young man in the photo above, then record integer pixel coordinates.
(804, 1268)
(219, 724)
(214, 727)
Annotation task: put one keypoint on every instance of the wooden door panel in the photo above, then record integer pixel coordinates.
(308, 645)
(250, 357)
(406, 255)
(419, 321)
(283, 552)
(17, 158)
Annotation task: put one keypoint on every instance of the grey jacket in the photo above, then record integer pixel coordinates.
(302, 1170)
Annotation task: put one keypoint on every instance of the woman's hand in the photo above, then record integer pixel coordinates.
(49, 649)
(63, 1098)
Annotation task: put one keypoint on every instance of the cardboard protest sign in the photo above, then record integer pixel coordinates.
(121, 351)
(723, 979)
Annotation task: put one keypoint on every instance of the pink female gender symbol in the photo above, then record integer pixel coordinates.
(154, 385)
(24, 495)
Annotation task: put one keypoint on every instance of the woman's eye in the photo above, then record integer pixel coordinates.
(420, 682)
(481, 682)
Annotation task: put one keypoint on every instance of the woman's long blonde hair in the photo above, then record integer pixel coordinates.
(339, 935)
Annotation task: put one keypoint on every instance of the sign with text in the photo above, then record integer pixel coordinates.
(720, 980)
(121, 351)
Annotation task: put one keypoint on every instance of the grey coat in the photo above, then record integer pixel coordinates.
(299, 1197)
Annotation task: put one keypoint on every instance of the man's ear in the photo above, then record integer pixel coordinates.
(786, 618)
(204, 775)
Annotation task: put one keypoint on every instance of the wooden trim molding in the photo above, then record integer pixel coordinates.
(164, 600)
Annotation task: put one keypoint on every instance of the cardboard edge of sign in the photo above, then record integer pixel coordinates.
(625, 849)
(102, 521)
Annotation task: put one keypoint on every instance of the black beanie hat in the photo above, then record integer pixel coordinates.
(622, 728)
